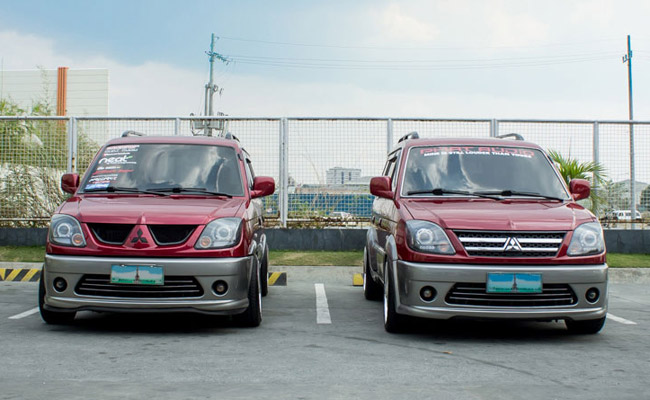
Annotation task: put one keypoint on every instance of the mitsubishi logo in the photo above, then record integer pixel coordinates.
(139, 238)
(512, 244)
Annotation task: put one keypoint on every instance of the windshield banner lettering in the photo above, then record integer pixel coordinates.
(477, 150)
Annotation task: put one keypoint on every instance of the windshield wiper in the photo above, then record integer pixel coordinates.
(441, 191)
(523, 194)
(177, 189)
(114, 189)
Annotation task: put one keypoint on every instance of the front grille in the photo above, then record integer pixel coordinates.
(475, 294)
(171, 234)
(511, 244)
(175, 286)
(111, 233)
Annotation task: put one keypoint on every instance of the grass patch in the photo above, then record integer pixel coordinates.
(290, 257)
(22, 253)
(619, 260)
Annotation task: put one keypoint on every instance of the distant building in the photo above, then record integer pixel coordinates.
(71, 92)
(340, 176)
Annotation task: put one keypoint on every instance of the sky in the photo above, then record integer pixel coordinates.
(371, 58)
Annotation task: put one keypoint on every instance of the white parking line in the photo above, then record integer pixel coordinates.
(322, 309)
(621, 320)
(25, 314)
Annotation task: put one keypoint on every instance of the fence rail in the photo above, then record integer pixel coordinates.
(322, 166)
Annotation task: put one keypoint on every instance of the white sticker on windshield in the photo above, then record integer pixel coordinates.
(477, 150)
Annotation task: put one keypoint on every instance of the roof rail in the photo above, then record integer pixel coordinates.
(511, 135)
(229, 136)
(131, 133)
(410, 135)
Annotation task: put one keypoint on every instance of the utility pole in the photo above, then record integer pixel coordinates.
(627, 58)
(211, 87)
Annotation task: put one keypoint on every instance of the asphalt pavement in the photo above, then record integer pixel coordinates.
(299, 353)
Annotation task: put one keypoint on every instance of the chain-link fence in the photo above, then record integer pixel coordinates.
(322, 166)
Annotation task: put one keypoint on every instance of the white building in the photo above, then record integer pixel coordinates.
(340, 176)
(71, 92)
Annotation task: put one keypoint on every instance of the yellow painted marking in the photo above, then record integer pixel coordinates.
(30, 274)
(2, 274)
(274, 277)
(357, 280)
(12, 275)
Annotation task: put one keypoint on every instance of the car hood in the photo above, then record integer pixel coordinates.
(480, 214)
(170, 210)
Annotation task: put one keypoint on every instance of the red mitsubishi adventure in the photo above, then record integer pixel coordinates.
(483, 228)
(159, 224)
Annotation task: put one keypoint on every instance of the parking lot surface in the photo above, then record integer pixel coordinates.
(319, 339)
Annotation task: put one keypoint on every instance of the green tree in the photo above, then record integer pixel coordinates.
(594, 172)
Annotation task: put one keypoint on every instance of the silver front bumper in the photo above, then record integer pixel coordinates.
(411, 277)
(235, 271)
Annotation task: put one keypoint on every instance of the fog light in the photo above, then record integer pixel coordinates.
(60, 284)
(428, 293)
(220, 288)
(592, 295)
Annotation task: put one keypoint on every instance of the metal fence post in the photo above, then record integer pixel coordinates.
(283, 195)
(72, 144)
(632, 177)
(177, 126)
(596, 158)
(389, 135)
(494, 131)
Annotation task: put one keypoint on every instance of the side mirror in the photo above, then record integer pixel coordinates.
(579, 188)
(262, 186)
(380, 187)
(70, 183)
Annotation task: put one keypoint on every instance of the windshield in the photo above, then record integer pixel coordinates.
(166, 167)
(509, 171)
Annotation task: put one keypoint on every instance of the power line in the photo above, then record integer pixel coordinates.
(320, 45)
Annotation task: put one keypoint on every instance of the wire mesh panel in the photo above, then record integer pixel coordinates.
(330, 162)
(441, 128)
(614, 154)
(33, 156)
(571, 140)
(642, 168)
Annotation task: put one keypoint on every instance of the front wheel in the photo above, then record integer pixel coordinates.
(264, 272)
(252, 317)
(51, 317)
(393, 322)
(588, 327)
(371, 289)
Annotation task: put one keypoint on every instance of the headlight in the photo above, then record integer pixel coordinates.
(428, 237)
(66, 231)
(220, 233)
(587, 239)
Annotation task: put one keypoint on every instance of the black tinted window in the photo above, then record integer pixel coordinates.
(156, 166)
(472, 168)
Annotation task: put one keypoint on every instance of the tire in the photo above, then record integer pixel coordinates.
(51, 317)
(264, 272)
(588, 327)
(252, 317)
(371, 289)
(393, 322)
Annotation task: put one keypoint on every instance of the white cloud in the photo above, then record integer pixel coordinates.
(405, 27)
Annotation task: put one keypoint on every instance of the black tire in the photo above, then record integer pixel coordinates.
(264, 272)
(252, 317)
(51, 317)
(371, 289)
(588, 327)
(393, 322)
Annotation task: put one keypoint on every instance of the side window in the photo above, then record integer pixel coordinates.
(392, 168)
(250, 176)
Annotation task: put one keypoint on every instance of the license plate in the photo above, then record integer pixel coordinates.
(137, 274)
(514, 283)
